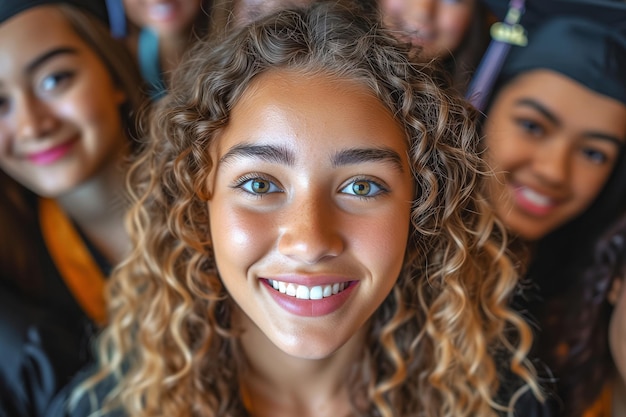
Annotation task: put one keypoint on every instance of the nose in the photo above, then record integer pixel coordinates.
(553, 163)
(310, 231)
(33, 118)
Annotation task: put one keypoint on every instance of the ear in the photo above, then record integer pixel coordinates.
(615, 291)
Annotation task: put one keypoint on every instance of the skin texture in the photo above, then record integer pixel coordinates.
(168, 18)
(59, 108)
(438, 26)
(553, 144)
(310, 227)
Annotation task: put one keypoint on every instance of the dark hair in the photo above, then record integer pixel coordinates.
(575, 339)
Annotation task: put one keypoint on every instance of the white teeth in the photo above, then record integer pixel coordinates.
(536, 198)
(316, 293)
(302, 292)
(160, 11)
(328, 291)
(307, 293)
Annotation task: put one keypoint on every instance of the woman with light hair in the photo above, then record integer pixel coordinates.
(310, 237)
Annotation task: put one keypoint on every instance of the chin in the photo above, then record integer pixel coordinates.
(309, 349)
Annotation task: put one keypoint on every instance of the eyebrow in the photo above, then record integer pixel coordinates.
(269, 153)
(361, 155)
(527, 102)
(40, 60)
(284, 156)
(555, 120)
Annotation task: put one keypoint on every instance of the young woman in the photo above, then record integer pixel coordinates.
(161, 32)
(311, 238)
(555, 131)
(67, 102)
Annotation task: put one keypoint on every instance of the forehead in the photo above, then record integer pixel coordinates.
(38, 29)
(312, 111)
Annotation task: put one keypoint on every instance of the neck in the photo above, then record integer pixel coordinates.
(275, 384)
(98, 207)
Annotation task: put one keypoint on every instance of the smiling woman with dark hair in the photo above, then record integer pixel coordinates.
(555, 133)
(68, 99)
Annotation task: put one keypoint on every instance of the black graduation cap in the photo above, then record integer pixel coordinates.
(584, 40)
(110, 12)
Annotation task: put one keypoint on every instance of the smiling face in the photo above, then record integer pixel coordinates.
(60, 121)
(438, 26)
(553, 144)
(309, 211)
(168, 17)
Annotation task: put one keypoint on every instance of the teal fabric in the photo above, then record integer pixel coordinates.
(149, 63)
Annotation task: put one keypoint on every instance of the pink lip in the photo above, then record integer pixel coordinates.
(51, 155)
(311, 308)
(530, 206)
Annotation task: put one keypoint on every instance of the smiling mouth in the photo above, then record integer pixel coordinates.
(303, 292)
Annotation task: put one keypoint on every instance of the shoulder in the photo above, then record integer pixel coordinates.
(38, 355)
(65, 405)
(527, 405)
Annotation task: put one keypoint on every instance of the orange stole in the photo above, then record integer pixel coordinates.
(602, 405)
(79, 270)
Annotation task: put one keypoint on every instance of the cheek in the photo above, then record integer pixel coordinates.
(381, 241)
(392, 6)
(589, 185)
(97, 114)
(80, 110)
(499, 156)
(238, 235)
(505, 150)
(453, 23)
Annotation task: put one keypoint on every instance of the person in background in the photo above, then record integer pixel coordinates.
(452, 31)
(555, 131)
(160, 34)
(68, 98)
(310, 238)
(592, 332)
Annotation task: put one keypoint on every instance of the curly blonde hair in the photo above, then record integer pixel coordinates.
(441, 341)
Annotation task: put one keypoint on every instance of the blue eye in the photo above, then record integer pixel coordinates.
(363, 188)
(52, 81)
(259, 185)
